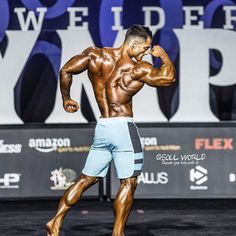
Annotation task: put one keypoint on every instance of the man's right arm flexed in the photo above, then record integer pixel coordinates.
(163, 76)
(75, 65)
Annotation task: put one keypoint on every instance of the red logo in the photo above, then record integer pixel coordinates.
(214, 143)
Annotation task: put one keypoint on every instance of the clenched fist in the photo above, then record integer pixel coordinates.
(70, 106)
(157, 51)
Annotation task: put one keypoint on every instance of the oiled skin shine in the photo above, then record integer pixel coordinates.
(115, 78)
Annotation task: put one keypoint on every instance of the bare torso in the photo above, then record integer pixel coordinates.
(115, 77)
(111, 78)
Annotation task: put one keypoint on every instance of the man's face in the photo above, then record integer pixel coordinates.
(141, 48)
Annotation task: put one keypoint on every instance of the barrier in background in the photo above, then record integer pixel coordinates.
(185, 161)
(43, 162)
(181, 161)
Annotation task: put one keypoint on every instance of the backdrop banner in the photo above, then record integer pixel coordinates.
(42, 162)
(180, 161)
(186, 162)
(38, 37)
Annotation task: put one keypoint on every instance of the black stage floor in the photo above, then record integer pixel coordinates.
(148, 218)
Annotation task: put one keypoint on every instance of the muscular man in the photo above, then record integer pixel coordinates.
(116, 74)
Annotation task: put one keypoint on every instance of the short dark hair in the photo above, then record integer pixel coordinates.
(138, 31)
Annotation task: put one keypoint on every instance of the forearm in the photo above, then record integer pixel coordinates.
(167, 69)
(65, 84)
(75, 65)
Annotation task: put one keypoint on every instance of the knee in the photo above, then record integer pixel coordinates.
(85, 182)
(130, 183)
(74, 192)
(126, 192)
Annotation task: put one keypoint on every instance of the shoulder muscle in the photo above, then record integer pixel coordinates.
(92, 52)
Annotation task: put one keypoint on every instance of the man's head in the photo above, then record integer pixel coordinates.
(139, 39)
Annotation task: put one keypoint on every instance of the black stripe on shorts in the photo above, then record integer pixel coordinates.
(136, 173)
(133, 132)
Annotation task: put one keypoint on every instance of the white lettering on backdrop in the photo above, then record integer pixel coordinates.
(195, 43)
(194, 88)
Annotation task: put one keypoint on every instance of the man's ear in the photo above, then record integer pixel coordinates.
(133, 44)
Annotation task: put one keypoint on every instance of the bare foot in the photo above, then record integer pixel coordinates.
(52, 228)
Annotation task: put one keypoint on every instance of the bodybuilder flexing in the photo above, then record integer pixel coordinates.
(116, 74)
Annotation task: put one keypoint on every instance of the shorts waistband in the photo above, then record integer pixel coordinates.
(115, 119)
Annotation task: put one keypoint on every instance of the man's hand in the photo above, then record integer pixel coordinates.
(157, 51)
(70, 106)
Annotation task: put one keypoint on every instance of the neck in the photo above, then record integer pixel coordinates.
(124, 51)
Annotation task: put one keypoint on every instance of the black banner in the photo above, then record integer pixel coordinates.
(42, 162)
(181, 161)
(186, 162)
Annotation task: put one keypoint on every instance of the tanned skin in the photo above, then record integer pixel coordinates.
(116, 74)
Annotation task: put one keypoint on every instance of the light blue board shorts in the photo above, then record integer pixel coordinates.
(117, 139)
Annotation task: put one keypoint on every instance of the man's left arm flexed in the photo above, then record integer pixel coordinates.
(146, 73)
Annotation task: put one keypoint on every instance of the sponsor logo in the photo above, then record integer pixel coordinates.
(73, 149)
(150, 144)
(232, 177)
(214, 144)
(62, 178)
(153, 178)
(9, 180)
(48, 144)
(183, 159)
(148, 141)
(9, 148)
(198, 176)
